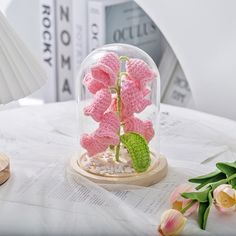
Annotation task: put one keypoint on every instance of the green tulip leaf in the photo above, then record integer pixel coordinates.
(207, 179)
(229, 169)
(199, 196)
(138, 149)
(203, 211)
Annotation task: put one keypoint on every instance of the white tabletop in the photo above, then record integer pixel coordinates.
(41, 198)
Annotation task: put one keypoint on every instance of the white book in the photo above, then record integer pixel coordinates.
(80, 34)
(64, 44)
(48, 48)
(178, 92)
(167, 66)
(122, 21)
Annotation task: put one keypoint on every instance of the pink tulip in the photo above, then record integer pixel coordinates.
(178, 202)
(172, 223)
(225, 198)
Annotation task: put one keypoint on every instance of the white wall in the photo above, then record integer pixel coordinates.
(203, 35)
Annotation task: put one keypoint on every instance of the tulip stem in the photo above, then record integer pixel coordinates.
(183, 210)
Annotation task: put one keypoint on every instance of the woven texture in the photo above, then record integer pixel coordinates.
(92, 84)
(101, 102)
(139, 71)
(104, 136)
(105, 71)
(145, 128)
(133, 98)
(91, 144)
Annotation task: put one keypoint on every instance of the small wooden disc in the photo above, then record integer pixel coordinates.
(156, 172)
(4, 168)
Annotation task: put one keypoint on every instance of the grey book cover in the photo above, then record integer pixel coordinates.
(128, 23)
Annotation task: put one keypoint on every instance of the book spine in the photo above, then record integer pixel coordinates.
(96, 25)
(167, 66)
(178, 92)
(48, 48)
(64, 46)
(80, 34)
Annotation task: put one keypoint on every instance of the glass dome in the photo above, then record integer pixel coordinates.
(118, 91)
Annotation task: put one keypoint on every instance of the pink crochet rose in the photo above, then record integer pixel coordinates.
(139, 72)
(101, 102)
(145, 128)
(106, 70)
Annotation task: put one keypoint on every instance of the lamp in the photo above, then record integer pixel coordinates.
(20, 75)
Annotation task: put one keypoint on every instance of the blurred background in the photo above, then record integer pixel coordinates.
(60, 33)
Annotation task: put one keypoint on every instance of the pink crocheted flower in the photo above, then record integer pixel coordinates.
(108, 129)
(145, 128)
(106, 70)
(101, 102)
(91, 144)
(92, 84)
(133, 98)
(104, 136)
(139, 71)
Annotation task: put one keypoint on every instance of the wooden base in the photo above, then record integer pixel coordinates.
(4, 168)
(156, 172)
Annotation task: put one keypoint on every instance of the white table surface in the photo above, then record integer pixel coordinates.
(44, 138)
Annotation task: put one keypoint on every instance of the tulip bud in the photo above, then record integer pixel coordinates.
(178, 202)
(225, 198)
(172, 223)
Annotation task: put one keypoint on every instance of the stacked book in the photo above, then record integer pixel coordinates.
(71, 29)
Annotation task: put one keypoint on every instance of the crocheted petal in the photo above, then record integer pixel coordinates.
(146, 91)
(110, 122)
(92, 146)
(149, 131)
(145, 128)
(92, 84)
(133, 124)
(138, 69)
(142, 104)
(111, 60)
(133, 98)
(103, 74)
(101, 102)
(106, 137)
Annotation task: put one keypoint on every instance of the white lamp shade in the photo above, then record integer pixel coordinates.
(20, 72)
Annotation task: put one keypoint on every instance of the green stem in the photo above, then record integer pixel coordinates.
(231, 177)
(183, 210)
(117, 155)
(124, 58)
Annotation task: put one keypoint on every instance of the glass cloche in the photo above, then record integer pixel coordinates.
(118, 90)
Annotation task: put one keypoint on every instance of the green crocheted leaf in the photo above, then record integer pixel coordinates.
(138, 150)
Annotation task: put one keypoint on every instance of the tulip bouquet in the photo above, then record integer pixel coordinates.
(217, 188)
(119, 86)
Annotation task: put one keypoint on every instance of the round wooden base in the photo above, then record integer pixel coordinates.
(156, 172)
(4, 168)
